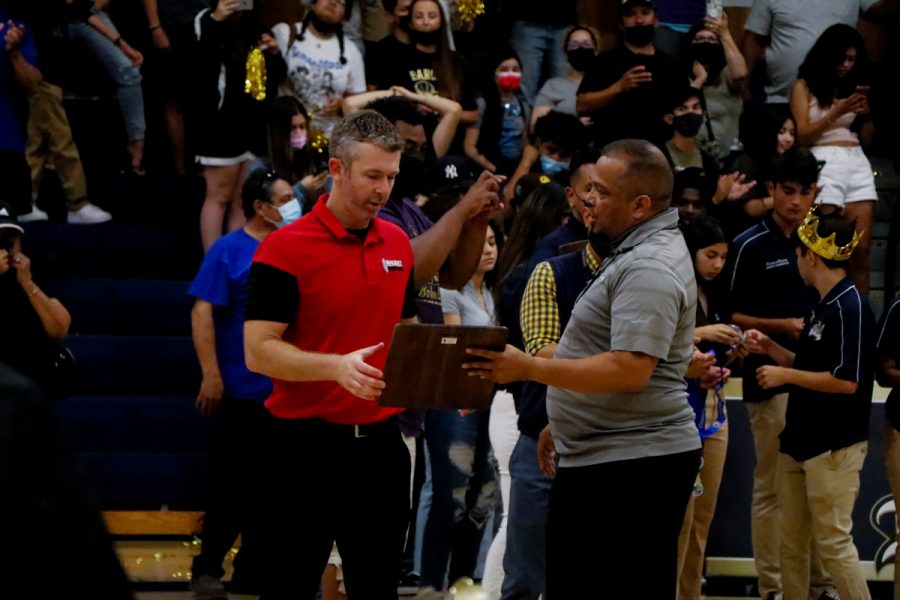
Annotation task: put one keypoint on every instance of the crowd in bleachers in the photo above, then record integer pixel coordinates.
(755, 136)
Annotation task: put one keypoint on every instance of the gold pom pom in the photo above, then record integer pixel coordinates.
(255, 84)
(467, 10)
(318, 141)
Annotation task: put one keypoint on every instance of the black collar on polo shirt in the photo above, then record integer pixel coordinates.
(326, 217)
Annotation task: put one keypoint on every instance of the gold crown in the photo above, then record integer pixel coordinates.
(824, 247)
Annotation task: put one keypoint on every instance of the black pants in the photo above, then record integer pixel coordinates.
(328, 485)
(612, 530)
(241, 432)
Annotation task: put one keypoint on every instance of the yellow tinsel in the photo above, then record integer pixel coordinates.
(467, 10)
(255, 84)
(318, 142)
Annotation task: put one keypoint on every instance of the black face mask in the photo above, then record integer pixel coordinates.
(425, 38)
(640, 35)
(688, 124)
(412, 177)
(600, 243)
(711, 56)
(580, 58)
(324, 27)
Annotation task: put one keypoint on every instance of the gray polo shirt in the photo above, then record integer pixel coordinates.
(643, 300)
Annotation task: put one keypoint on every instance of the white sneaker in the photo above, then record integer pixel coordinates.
(36, 214)
(89, 214)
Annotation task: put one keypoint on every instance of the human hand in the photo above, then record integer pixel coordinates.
(358, 377)
(4, 261)
(770, 376)
(700, 75)
(852, 103)
(22, 265)
(210, 396)
(160, 39)
(733, 186)
(719, 333)
(224, 9)
(714, 377)
(268, 43)
(700, 362)
(757, 342)
(483, 198)
(510, 365)
(331, 107)
(546, 452)
(136, 58)
(314, 183)
(718, 26)
(793, 328)
(14, 36)
(399, 90)
(634, 77)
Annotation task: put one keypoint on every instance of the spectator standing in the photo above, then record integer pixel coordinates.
(708, 246)
(497, 140)
(711, 45)
(831, 108)
(232, 395)
(781, 32)
(558, 93)
(464, 486)
(91, 28)
(626, 90)
(227, 120)
(304, 328)
(537, 37)
(322, 66)
(18, 79)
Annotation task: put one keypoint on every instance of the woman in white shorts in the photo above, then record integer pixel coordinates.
(831, 110)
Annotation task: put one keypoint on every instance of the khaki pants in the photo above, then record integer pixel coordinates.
(892, 462)
(699, 515)
(816, 497)
(50, 137)
(766, 424)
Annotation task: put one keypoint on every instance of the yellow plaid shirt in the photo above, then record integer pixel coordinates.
(539, 314)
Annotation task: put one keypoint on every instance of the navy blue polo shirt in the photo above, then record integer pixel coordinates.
(839, 338)
(572, 230)
(889, 347)
(764, 282)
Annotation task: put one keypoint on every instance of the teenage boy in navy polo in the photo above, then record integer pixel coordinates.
(768, 294)
(231, 394)
(325, 294)
(824, 441)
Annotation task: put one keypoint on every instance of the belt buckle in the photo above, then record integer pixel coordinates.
(356, 432)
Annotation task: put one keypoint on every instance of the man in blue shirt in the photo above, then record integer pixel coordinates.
(18, 79)
(826, 430)
(231, 393)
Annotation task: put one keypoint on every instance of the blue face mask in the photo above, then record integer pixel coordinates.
(552, 167)
(289, 212)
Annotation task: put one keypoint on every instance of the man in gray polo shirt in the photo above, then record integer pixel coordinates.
(628, 449)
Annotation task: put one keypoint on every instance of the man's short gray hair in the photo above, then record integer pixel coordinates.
(366, 126)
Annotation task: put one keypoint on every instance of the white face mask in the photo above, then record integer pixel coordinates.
(290, 212)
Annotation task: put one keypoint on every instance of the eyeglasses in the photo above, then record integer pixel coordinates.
(573, 45)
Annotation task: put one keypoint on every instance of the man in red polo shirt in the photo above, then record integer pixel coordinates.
(324, 296)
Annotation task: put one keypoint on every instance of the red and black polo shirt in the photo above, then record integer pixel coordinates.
(338, 291)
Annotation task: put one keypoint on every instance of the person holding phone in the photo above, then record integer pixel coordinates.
(832, 116)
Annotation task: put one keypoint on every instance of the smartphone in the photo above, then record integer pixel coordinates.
(714, 9)
(863, 89)
(245, 5)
